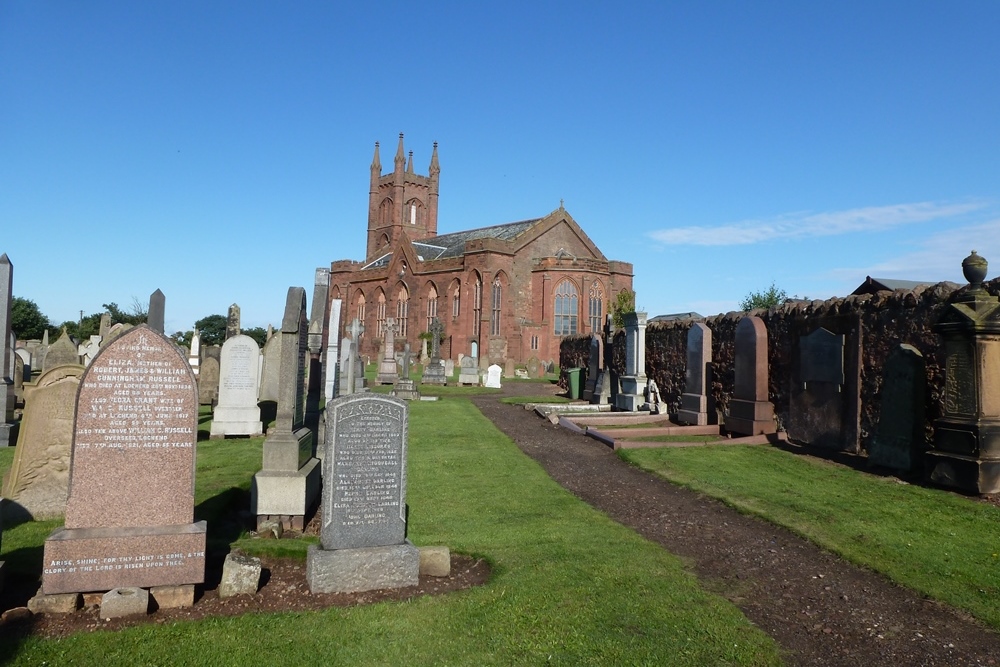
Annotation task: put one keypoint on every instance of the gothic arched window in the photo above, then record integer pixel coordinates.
(596, 309)
(566, 308)
(495, 314)
(402, 310)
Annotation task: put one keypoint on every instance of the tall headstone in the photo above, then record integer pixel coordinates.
(750, 413)
(130, 511)
(36, 485)
(899, 440)
(331, 364)
(289, 482)
(387, 371)
(104, 329)
(345, 384)
(697, 406)
(595, 362)
(606, 384)
(966, 451)
(63, 351)
(155, 314)
(194, 353)
(434, 373)
(239, 376)
(363, 543)
(233, 322)
(633, 383)
(208, 382)
(271, 370)
(7, 429)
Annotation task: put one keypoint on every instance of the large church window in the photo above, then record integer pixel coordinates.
(359, 310)
(477, 306)
(380, 314)
(432, 306)
(566, 308)
(456, 299)
(402, 311)
(495, 315)
(596, 309)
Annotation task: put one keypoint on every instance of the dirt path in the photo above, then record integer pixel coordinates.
(821, 610)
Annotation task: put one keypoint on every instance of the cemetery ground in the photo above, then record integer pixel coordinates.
(644, 571)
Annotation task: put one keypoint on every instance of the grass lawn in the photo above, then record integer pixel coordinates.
(941, 544)
(569, 585)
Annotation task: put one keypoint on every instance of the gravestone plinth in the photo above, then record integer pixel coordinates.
(363, 543)
(289, 482)
(966, 451)
(631, 396)
(129, 515)
(750, 413)
(239, 385)
(899, 441)
(697, 404)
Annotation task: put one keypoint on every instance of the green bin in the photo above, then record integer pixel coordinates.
(574, 382)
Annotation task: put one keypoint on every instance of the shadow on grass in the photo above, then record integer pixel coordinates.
(228, 517)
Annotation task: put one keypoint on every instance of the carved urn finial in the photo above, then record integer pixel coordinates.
(974, 268)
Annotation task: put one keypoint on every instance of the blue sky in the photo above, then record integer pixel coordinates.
(219, 151)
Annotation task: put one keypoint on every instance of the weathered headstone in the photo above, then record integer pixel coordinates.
(449, 367)
(750, 413)
(208, 382)
(387, 371)
(7, 429)
(239, 366)
(899, 440)
(508, 368)
(270, 370)
(363, 543)
(36, 485)
(595, 363)
(130, 511)
(697, 406)
(61, 352)
(468, 374)
(289, 482)
(434, 373)
(331, 364)
(26, 366)
(233, 321)
(633, 383)
(194, 353)
(346, 380)
(493, 376)
(18, 381)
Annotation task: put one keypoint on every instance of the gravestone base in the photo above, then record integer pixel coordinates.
(286, 494)
(8, 434)
(236, 421)
(434, 374)
(362, 569)
(694, 410)
(406, 390)
(965, 473)
(470, 378)
(387, 372)
(750, 417)
(604, 393)
(631, 398)
(77, 560)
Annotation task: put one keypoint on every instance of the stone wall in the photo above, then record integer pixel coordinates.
(885, 320)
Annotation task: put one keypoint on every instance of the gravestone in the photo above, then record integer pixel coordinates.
(38, 353)
(61, 352)
(633, 383)
(26, 367)
(8, 431)
(434, 373)
(387, 371)
(750, 413)
(363, 543)
(824, 397)
(114, 332)
(89, 349)
(104, 328)
(595, 363)
(289, 482)
(697, 404)
(899, 440)
(208, 382)
(508, 368)
(233, 321)
(346, 380)
(405, 388)
(493, 376)
(36, 485)
(966, 451)
(271, 354)
(468, 373)
(129, 515)
(332, 362)
(237, 412)
(194, 353)
(535, 368)
(157, 307)
(18, 381)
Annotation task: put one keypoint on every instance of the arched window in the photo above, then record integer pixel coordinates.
(415, 212)
(596, 308)
(432, 305)
(380, 314)
(566, 308)
(477, 306)
(359, 309)
(384, 212)
(495, 314)
(456, 299)
(402, 310)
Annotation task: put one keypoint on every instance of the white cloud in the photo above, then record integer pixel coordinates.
(802, 225)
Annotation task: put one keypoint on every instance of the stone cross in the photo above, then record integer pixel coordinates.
(406, 360)
(390, 338)
(436, 330)
(90, 349)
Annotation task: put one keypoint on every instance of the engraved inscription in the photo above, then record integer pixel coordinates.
(960, 396)
(241, 371)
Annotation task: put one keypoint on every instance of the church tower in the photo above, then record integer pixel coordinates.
(401, 201)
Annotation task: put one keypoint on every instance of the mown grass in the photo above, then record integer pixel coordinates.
(569, 586)
(938, 543)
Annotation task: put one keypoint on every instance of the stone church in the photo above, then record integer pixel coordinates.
(507, 292)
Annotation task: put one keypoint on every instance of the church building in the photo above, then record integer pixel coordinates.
(507, 292)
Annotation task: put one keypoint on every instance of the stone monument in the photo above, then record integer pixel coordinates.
(899, 441)
(405, 388)
(8, 428)
(287, 486)
(363, 543)
(130, 511)
(63, 351)
(493, 373)
(239, 384)
(208, 382)
(595, 362)
(233, 321)
(387, 370)
(331, 364)
(966, 451)
(434, 373)
(697, 405)
(468, 372)
(194, 352)
(750, 413)
(633, 383)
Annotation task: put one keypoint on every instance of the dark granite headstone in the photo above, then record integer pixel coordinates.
(899, 441)
(154, 317)
(750, 413)
(821, 355)
(697, 406)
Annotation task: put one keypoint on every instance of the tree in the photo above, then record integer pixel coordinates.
(26, 320)
(259, 334)
(137, 313)
(772, 296)
(212, 329)
(624, 303)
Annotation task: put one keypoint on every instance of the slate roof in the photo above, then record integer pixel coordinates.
(872, 285)
(453, 245)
